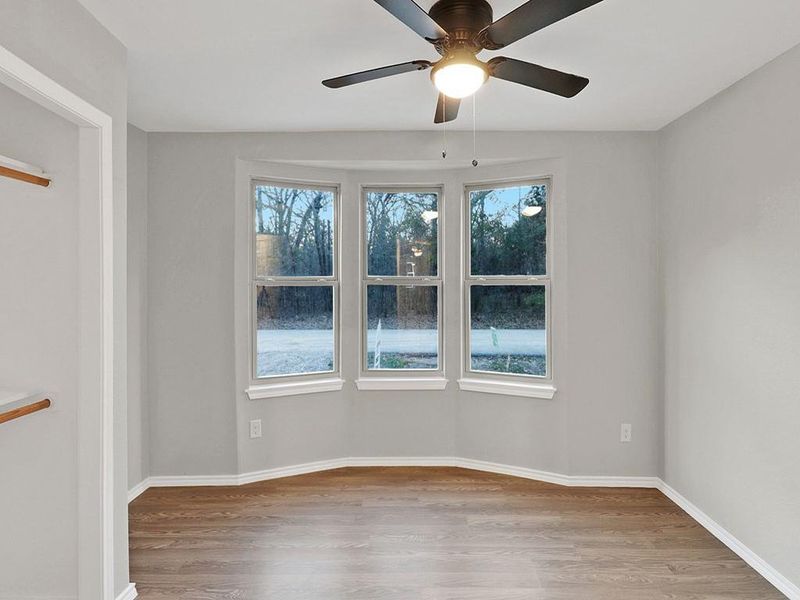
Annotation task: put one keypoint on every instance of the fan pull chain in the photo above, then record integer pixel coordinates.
(474, 131)
(444, 128)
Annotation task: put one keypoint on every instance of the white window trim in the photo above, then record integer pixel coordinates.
(294, 388)
(532, 386)
(397, 379)
(248, 172)
(544, 391)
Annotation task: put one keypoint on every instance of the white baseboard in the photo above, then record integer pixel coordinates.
(751, 558)
(401, 461)
(558, 478)
(769, 573)
(129, 593)
(390, 461)
(302, 469)
(192, 481)
(138, 489)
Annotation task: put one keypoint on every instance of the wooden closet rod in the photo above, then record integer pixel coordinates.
(22, 171)
(28, 409)
(23, 176)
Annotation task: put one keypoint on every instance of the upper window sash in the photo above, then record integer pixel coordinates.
(508, 212)
(303, 213)
(428, 215)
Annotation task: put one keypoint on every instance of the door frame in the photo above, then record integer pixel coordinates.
(96, 384)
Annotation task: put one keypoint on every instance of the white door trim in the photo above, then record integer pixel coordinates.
(96, 315)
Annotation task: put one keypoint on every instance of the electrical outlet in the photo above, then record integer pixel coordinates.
(625, 433)
(255, 429)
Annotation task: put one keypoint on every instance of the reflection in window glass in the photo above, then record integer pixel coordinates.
(294, 330)
(402, 327)
(294, 232)
(508, 230)
(508, 329)
(402, 233)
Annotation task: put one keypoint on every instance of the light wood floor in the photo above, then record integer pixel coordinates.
(429, 534)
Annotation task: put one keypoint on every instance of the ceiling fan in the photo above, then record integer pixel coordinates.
(459, 30)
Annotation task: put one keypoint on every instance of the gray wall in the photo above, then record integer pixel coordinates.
(607, 369)
(39, 352)
(138, 406)
(61, 39)
(731, 263)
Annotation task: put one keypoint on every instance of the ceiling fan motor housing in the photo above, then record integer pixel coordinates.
(462, 19)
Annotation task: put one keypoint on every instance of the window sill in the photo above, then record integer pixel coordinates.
(295, 388)
(544, 391)
(401, 383)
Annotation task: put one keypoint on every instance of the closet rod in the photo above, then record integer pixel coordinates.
(22, 411)
(23, 172)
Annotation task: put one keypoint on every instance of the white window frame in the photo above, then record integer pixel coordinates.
(401, 379)
(534, 386)
(287, 384)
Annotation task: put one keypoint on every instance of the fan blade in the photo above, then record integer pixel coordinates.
(410, 13)
(361, 77)
(534, 76)
(529, 18)
(446, 109)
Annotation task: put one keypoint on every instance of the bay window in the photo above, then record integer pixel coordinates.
(394, 253)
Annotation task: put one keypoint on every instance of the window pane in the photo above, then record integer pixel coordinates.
(402, 230)
(402, 327)
(508, 231)
(294, 232)
(508, 332)
(294, 330)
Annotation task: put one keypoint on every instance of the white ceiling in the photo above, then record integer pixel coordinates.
(256, 65)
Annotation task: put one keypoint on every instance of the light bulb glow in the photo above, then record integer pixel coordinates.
(429, 216)
(459, 79)
(531, 211)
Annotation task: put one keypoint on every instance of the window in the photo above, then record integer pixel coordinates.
(401, 281)
(294, 279)
(507, 280)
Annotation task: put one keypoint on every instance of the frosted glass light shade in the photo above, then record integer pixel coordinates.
(459, 80)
